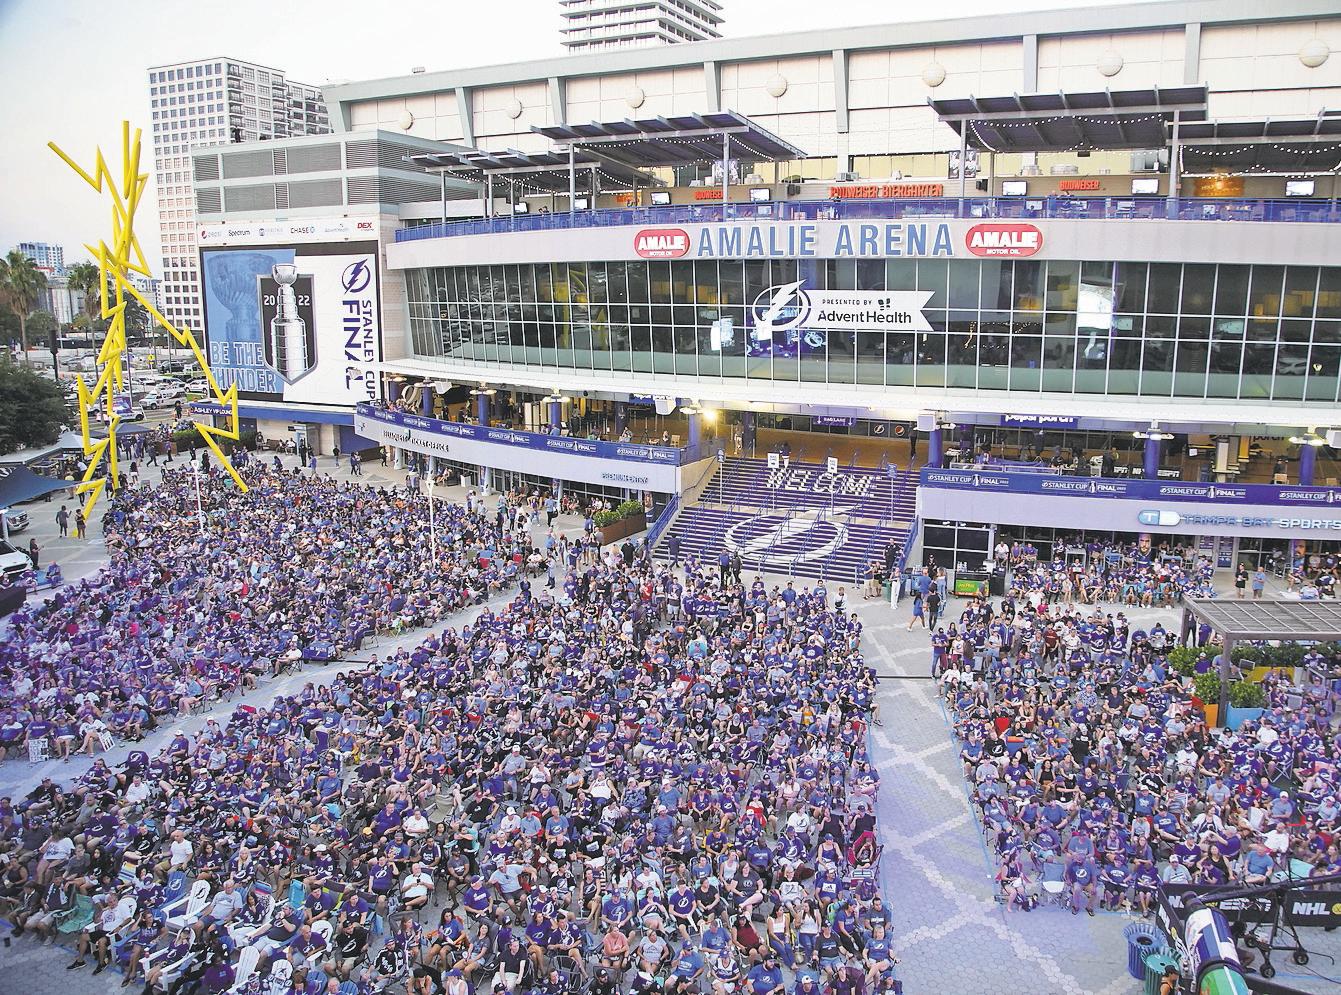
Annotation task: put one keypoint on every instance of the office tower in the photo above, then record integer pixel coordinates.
(212, 102)
(593, 25)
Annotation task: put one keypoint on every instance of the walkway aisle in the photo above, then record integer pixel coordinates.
(950, 933)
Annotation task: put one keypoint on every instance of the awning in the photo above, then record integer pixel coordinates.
(1064, 122)
(1305, 145)
(675, 141)
(535, 171)
(1293, 620)
(19, 484)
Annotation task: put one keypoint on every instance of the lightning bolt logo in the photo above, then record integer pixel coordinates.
(781, 297)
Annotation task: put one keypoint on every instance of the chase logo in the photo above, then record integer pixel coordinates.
(781, 308)
(1166, 519)
(356, 277)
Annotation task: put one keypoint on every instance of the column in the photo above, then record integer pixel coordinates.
(393, 390)
(695, 430)
(1153, 453)
(426, 401)
(482, 408)
(1226, 656)
(1308, 457)
(935, 448)
(555, 417)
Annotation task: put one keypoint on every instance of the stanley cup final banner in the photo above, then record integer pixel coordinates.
(298, 323)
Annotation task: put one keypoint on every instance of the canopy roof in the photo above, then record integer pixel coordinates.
(1061, 122)
(1305, 145)
(18, 484)
(675, 141)
(1302, 621)
(544, 171)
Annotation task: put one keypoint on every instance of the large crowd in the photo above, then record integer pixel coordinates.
(640, 779)
(301, 567)
(1116, 573)
(1096, 776)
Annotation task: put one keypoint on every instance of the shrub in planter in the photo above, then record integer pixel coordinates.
(1247, 694)
(1183, 658)
(627, 509)
(1207, 688)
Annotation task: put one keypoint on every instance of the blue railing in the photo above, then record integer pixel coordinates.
(662, 522)
(1024, 208)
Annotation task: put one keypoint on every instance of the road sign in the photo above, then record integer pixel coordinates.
(832, 464)
(774, 461)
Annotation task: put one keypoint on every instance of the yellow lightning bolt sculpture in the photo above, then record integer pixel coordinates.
(115, 263)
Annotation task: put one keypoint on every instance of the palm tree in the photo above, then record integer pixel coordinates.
(86, 279)
(21, 284)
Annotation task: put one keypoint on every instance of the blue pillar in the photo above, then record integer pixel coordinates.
(1153, 452)
(1308, 456)
(426, 401)
(935, 448)
(482, 408)
(555, 416)
(695, 430)
(393, 390)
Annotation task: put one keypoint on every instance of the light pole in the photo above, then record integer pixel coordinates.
(432, 524)
(200, 505)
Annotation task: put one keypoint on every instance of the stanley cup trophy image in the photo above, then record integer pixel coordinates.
(288, 331)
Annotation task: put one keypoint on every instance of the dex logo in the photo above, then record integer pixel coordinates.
(356, 277)
(780, 308)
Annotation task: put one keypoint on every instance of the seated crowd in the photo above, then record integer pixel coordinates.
(633, 779)
(1114, 573)
(1095, 774)
(302, 567)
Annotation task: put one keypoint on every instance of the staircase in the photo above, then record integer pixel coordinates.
(802, 521)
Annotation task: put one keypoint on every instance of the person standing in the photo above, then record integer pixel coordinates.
(1240, 580)
(919, 617)
(63, 521)
(34, 552)
(736, 565)
(933, 607)
(673, 548)
(80, 524)
(1259, 583)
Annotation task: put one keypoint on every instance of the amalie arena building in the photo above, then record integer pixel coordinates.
(1043, 276)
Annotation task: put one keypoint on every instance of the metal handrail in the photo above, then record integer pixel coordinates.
(930, 209)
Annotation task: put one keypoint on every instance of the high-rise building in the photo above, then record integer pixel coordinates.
(49, 258)
(591, 25)
(212, 102)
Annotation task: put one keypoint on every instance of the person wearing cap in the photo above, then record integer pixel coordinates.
(765, 977)
(686, 970)
(349, 943)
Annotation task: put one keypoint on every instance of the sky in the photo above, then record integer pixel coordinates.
(72, 70)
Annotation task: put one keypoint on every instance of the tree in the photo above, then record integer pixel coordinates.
(40, 327)
(32, 408)
(86, 279)
(137, 319)
(21, 284)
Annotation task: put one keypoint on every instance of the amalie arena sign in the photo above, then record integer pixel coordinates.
(820, 240)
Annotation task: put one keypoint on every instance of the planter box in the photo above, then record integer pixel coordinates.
(1238, 716)
(622, 529)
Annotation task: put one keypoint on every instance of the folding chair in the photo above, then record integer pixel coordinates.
(1053, 882)
(246, 967)
(106, 741)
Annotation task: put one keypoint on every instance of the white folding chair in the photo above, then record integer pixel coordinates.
(246, 967)
(196, 900)
(105, 740)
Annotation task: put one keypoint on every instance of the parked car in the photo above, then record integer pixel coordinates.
(13, 561)
(15, 520)
(198, 386)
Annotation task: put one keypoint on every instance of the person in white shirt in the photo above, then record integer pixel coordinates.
(227, 903)
(116, 912)
(417, 887)
(138, 791)
(58, 850)
(180, 852)
(1277, 840)
(415, 824)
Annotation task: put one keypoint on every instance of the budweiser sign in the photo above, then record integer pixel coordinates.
(661, 243)
(1003, 239)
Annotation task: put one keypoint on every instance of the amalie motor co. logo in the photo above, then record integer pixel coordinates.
(1003, 239)
(661, 243)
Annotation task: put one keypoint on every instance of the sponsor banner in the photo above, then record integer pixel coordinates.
(661, 243)
(832, 421)
(298, 322)
(1302, 907)
(1040, 421)
(627, 465)
(790, 307)
(1159, 491)
(278, 232)
(1004, 238)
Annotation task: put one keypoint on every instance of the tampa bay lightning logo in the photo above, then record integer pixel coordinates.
(356, 277)
(781, 308)
(782, 538)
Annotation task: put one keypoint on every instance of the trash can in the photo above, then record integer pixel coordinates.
(1142, 939)
(1155, 963)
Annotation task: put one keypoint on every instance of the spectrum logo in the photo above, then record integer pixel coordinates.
(998, 239)
(661, 243)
